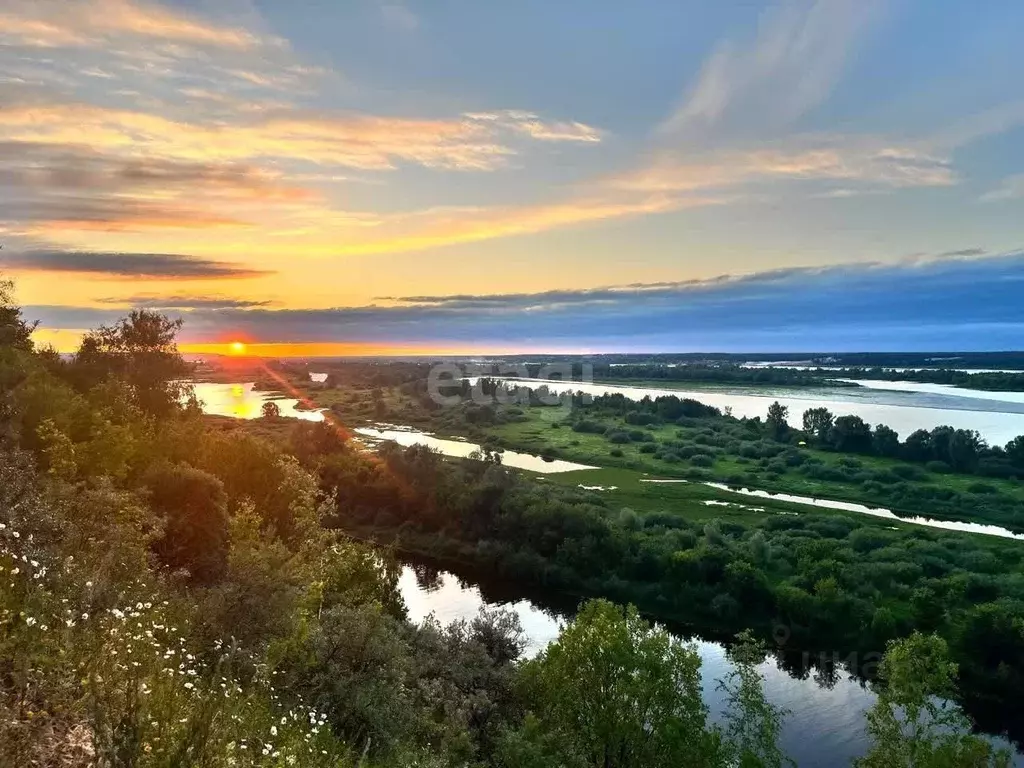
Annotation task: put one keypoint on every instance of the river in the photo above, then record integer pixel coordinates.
(904, 406)
(242, 401)
(825, 721)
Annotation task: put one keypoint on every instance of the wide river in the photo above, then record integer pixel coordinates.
(905, 406)
(825, 721)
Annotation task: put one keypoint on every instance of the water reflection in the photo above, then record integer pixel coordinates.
(242, 401)
(825, 702)
(998, 419)
(408, 436)
(849, 506)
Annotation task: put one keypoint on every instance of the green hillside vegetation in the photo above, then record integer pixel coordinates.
(178, 591)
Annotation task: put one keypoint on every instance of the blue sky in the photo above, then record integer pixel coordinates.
(295, 172)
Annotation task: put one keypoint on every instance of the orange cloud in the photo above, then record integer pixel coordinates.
(55, 23)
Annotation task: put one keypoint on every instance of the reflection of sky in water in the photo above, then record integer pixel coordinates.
(406, 436)
(823, 727)
(241, 401)
(849, 506)
(906, 407)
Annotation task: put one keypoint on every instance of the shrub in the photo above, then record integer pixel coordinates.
(617, 437)
(909, 472)
(702, 460)
(648, 448)
(982, 488)
(616, 452)
(939, 467)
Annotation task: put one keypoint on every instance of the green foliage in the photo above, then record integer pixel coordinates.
(912, 723)
(777, 424)
(139, 351)
(753, 724)
(614, 691)
(193, 508)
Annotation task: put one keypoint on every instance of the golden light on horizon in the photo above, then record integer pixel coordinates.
(237, 348)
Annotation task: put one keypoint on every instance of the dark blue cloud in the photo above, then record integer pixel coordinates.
(125, 265)
(956, 302)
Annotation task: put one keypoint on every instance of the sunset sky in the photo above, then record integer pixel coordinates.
(578, 175)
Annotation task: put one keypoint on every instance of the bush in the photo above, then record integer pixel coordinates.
(617, 437)
(702, 460)
(648, 448)
(939, 467)
(982, 488)
(616, 452)
(909, 472)
(794, 458)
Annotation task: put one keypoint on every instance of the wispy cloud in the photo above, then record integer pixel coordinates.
(150, 301)
(134, 266)
(845, 159)
(55, 23)
(1010, 188)
(792, 65)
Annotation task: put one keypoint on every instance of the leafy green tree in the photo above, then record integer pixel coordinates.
(850, 434)
(777, 424)
(918, 446)
(140, 351)
(913, 723)
(194, 509)
(270, 410)
(1015, 451)
(621, 693)
(885, 441)
(14, 331)
(965, 445)
(817, 422)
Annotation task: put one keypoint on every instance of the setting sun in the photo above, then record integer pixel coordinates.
(237, 348)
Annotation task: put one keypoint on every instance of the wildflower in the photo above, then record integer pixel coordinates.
(273, 730)
(190, 686)
(30, 621)
(85, 617)
(88, 585)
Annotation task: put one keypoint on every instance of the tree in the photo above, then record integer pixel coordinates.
(14, 331)
(776, 420)
(918, 446)
(271, 410)
(817, 422)
(850, 434)
(1015, 451)
(618, 692)
(139, 351)
(964, 448)
(885, 441)
(194, 508)
(913, 723)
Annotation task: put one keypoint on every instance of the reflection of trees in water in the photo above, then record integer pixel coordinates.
(428, 578)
